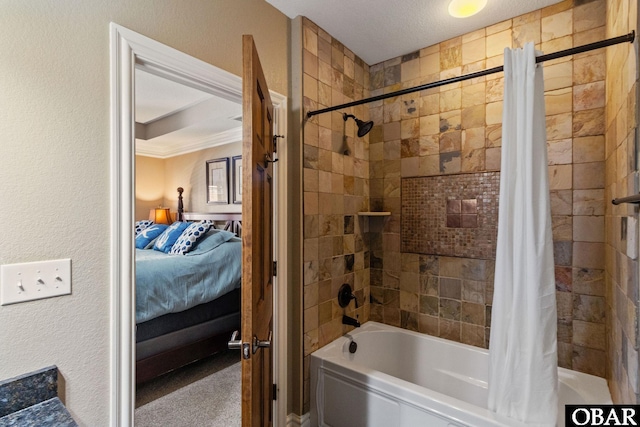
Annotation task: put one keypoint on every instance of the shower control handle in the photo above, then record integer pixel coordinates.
(345, 295)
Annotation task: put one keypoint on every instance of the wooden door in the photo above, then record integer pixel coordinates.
(257, 240)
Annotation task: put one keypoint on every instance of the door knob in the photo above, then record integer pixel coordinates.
(234, 344)
(237, 344)
(258, 343)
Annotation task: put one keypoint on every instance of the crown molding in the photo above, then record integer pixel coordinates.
(178, 148)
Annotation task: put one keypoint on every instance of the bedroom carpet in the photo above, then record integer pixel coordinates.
(206, 393)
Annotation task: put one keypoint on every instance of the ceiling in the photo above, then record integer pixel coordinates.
(173, 119)
(377, 30)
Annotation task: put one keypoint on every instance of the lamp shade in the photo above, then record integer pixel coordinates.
(160, 216)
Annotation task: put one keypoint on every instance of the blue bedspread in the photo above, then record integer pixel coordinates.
(173, 283)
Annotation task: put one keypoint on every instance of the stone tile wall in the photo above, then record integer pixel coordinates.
(336, 188)
(456, 129)
(621, 275)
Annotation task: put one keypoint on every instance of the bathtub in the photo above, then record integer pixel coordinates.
(399, 378)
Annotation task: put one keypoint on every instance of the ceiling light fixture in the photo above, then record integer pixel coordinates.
(466, 8)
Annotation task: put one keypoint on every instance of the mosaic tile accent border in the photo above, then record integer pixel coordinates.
(435, 223)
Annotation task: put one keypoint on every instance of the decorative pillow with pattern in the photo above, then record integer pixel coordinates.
(210, 241)
(165, 241)
(147, 235)
(141, 225)
(189, 237)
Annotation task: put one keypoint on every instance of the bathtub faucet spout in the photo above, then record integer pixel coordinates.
(346, 320)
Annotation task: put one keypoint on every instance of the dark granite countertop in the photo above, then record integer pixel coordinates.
(49, 413)
(32, 400)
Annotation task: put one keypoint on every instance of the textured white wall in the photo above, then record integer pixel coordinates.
(54, 161)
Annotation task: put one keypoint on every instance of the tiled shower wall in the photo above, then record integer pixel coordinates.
(456, 129)
(621, 266)
(336, 188)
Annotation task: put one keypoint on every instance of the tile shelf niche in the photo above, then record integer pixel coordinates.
(375, 226)
(374, 213)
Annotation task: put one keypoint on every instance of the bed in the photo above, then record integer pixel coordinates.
(187, 305)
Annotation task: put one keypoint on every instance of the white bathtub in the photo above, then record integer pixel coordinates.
(402, 378)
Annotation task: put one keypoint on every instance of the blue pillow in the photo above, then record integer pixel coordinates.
(148, 234)
(189, 237)
(165, 241)
(141, 225)
(211, 240)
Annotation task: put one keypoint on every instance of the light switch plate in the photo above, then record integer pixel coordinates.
(34, 280)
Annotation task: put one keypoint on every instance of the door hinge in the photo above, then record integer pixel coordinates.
(275, 142)
(275, 392)
(275, 268)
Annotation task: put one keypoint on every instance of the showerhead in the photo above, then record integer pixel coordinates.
(363, 127)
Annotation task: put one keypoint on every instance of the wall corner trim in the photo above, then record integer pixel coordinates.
(294, 420)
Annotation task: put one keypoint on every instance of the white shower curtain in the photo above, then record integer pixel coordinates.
(523, 373)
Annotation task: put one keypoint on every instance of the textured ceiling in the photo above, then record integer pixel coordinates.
(181, 119)
(377, 30)
(157, 96)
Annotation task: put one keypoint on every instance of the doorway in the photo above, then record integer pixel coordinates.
(128, 51)
(184, 375)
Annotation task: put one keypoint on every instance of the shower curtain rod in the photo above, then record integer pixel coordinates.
(572, 51)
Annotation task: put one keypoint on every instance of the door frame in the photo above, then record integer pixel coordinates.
(128, 48)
